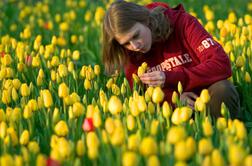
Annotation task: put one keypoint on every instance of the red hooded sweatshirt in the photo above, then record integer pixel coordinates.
(190, 55)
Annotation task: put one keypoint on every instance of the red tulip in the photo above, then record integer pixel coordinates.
(46, 25)
(2, 54)
(88, 125)
(52, 162)
(28, 60)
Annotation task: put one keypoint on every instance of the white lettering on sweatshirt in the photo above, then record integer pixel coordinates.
(172, 62)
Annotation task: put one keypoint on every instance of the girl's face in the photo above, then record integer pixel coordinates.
(138, 38)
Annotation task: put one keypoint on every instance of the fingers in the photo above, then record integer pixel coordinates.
(150, 78)
(190, 102)
(192, 95)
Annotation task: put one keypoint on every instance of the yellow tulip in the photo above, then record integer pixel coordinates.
(97, 70)
(174, 97)
(204, 96)
(241, 131)
(62, 70)
(80, 148)
(114, 105)
(64, 26)
(151, 107)
(133, 142)
(221, 123)
(207, 161)
(99, 14)
(248, 160)
(176, 134)
(63, 147)
(56, 115)
(148, 146)
(27, 112)
(3, 130)
(97, 120)
(41, 160)
(24, 90)
(236, 155)
(24, 138)
(131, 122)
(158, 95)
(87, 84)
(135, 78)
(133, 107)
(207, 128)
(87, 16)
(180, 88)
(217, 158)
(74, 39)
(166, 110)
(32, 104)
(240, 61)
(154, 127)
(232, 17)
(14, 94)
(180, 151)
(78, 109)
(55, 61)
(142, 106)
(92, 140)
(13, 136)
(6, 160)
(199, 105)
(129, 159)
(247, 77)
(185, 113)
(205, 146)
(93, 153)
(153, 160)
(76, 55)
(47, 98)
(2, 115)
(118, 136)
(61, 128)
(140, 71)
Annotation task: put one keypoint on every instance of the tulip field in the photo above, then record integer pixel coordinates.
(58, 107)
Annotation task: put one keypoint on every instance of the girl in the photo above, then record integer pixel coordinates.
(176, 48)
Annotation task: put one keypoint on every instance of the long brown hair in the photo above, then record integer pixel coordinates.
(120, 18)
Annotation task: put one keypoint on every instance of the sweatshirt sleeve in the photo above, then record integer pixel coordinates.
(214, 64)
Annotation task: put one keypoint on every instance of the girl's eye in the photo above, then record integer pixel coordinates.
(135, 36)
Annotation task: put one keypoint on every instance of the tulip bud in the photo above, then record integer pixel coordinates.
(205, 146)
(47, 98)
(24, 138)
(148, 147)
(166, 110)
(174, 97)
(24, 89)
(180, 88)
(247, 77)
(61, 128)
(80, 148)
(129, 158)
(204, 96)
(158, 95)
(176, 134)
(130, 122)
(88, 125)
(78, 109)
(240, 61)
(114, 105)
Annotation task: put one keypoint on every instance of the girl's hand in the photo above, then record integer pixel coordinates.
(155, 78)
(189, 98)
